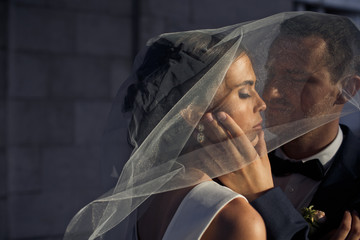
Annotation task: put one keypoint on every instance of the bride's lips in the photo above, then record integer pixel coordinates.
(258, 126)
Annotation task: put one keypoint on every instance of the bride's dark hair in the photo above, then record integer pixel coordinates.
(168, 71)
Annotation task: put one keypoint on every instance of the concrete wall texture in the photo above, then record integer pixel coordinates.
(61, 63)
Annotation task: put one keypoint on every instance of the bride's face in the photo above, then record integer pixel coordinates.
(238, 98)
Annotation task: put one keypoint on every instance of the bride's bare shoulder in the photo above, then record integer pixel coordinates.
(236, 220)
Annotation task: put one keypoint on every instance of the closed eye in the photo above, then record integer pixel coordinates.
(243, 95)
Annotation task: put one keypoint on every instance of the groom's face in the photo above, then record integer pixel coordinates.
(298, 81)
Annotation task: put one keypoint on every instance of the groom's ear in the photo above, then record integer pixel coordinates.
(350, 87)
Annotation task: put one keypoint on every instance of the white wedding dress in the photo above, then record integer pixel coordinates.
(197, 210)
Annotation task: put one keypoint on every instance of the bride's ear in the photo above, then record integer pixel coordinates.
(349, 88)
(191, 115)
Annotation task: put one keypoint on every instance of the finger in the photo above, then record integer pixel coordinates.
(344, 227)
(229, 124)
(355, 227)
(213, 129)
(261, 146)
(241, 140)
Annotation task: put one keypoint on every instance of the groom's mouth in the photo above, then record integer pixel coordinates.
(277, 109)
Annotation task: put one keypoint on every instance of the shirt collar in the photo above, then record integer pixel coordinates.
(325, 155)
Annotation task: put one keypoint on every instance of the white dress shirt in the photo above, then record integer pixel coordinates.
(299, 188)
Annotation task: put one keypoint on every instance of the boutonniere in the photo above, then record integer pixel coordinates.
(315, 218)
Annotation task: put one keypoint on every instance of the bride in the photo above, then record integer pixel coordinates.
(232, 118)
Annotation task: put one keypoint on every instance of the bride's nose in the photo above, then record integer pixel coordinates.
(260, 104)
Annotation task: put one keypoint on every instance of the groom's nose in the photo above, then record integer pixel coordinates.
(271, 91)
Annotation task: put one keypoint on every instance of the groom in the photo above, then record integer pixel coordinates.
(317, 59)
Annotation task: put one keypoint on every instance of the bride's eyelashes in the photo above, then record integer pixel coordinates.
(243, 94)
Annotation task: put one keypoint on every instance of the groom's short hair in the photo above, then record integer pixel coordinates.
(341, 35)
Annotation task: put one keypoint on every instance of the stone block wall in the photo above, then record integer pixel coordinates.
(159, 16)
(59, 65)
(3, 123)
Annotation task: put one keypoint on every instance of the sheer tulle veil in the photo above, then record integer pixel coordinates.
(147, 136)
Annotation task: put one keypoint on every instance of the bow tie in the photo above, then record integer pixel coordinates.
(311, 168)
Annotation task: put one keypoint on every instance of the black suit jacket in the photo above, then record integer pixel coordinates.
(339, 191)
(282, 220)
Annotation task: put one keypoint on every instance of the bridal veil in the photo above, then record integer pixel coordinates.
(184, 70)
